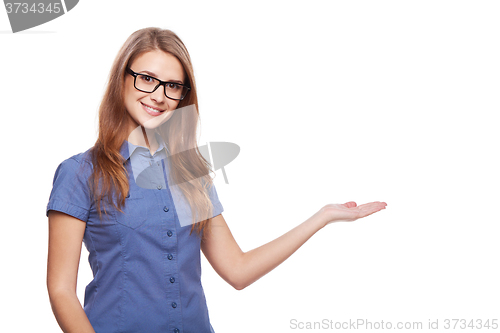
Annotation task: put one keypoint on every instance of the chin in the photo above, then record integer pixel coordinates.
(153, 123)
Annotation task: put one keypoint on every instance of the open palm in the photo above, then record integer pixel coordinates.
(350, 211)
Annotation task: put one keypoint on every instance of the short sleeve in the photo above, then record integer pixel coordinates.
(216, 204)
(183, 208)
(70, 190)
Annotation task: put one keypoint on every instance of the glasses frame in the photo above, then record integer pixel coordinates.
(162, 83)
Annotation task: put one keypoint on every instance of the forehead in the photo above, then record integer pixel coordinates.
(162, 65)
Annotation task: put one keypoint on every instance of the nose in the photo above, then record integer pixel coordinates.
(159, 94)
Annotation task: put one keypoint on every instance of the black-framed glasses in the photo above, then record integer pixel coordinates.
(147, 83)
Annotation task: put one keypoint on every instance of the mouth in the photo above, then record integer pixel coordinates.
(151, 110)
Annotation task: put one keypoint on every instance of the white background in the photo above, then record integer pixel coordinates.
(393, 101)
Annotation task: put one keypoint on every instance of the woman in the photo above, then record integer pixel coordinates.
(144, 244)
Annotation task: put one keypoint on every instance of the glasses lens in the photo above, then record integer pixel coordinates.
(145, 83)
(174, 90)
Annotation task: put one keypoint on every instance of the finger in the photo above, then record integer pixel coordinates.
(350, 204)
(370, 208)
(373, 204)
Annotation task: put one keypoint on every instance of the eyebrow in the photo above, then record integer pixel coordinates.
(155, 76)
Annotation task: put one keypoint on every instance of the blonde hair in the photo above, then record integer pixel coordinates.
(189, 170)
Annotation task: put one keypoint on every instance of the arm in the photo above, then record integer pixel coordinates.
(65, 244)
(240, 269)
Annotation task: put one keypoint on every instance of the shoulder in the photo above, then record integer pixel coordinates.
(80, 164)
(81, 158)
(71, 193)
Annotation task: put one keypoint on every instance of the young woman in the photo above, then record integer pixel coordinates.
(126, 198)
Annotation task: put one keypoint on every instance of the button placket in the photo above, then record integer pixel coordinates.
(172, 288)
(169, 236)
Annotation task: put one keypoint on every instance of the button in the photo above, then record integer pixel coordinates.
(165, 209)
(169, 233)
(158, 187)
(172, 280)
(176, 330)
(174, 305)
(170, 256)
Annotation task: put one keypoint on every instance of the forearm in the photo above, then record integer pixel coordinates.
(258, 262)
(69, 313)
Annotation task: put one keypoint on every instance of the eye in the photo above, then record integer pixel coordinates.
(147, 79)
(173, 86)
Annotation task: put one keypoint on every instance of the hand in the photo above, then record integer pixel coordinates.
(350, 211)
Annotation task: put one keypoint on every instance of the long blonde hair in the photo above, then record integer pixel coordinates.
(189, 170)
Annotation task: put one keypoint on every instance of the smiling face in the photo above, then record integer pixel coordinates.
(151, 109)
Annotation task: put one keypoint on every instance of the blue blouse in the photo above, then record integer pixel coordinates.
(146, 266)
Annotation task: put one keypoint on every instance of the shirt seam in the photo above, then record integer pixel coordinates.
(121, 323)
(98, 269)
(67, 207)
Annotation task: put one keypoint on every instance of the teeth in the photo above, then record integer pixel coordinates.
(149, 108)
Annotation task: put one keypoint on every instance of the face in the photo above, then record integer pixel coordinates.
(152, 109)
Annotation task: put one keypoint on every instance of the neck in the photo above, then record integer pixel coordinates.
(143, 137)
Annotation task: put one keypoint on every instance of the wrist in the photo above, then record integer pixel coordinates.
(320, 218)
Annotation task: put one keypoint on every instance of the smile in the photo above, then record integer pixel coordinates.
(152, 111)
